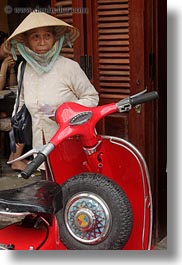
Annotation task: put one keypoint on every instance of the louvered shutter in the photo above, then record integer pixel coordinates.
(66, 12)
(112, 57)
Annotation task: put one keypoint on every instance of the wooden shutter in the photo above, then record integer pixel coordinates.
(112, 58)
(66, 12)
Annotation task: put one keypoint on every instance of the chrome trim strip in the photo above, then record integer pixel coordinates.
(14, 214)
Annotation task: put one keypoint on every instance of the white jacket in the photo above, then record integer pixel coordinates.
(65, 82)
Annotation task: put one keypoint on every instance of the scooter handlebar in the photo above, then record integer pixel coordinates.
(31, 168)
(122, 105)
(127, 103)
(135, 100)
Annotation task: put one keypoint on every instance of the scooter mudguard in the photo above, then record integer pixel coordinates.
(119, 161)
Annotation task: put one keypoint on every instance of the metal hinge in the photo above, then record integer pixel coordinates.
(86, 65)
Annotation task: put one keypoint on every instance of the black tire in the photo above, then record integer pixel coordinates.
(109, 200)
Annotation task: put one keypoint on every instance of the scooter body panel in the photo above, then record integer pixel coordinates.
(15, 235)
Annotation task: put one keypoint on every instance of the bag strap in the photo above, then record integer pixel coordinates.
(22, 70)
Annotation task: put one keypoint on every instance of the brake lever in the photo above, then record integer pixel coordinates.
(27, 154)
(139, 93)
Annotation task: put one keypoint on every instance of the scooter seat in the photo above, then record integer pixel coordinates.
(38, 197)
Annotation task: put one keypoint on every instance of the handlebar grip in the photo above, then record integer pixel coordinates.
(31, 168)
(135, 100)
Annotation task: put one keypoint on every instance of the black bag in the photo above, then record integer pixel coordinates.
(22, 126)
(21, 122)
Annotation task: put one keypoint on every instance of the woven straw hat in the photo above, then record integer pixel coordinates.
(40, 19)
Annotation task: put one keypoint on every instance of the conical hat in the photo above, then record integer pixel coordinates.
(40, 19)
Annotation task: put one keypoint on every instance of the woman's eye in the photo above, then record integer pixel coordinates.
(35, 37)
(48, 35)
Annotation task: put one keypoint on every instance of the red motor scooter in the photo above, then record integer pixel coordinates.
(98, 196)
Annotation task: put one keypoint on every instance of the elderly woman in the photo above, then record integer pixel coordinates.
(49, 78)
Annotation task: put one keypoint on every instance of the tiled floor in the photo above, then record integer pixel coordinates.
(10, 179)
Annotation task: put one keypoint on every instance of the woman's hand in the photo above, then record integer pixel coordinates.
(48, 111)
(7, 64)
(10, 62)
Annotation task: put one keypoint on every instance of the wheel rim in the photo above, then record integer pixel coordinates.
(88, 218)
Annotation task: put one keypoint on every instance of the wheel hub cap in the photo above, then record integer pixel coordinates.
(88, 218)
(84, 219)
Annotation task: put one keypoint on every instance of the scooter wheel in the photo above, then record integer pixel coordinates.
(96, 214)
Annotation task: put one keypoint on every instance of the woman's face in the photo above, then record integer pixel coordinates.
(40, 40)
